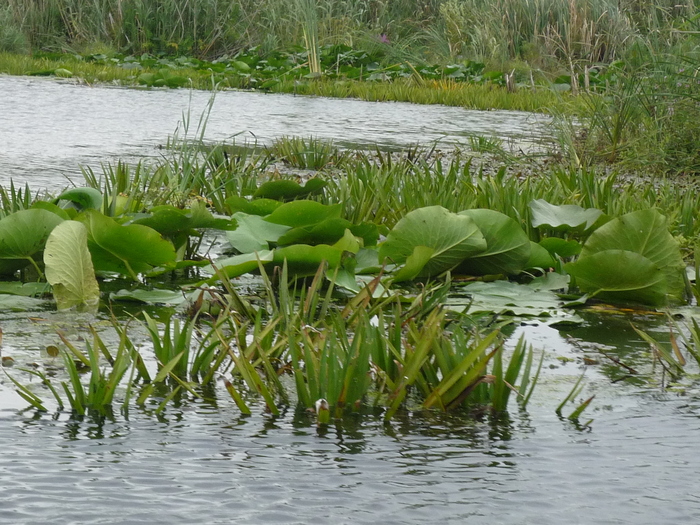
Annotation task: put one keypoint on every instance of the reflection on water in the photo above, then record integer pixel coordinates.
(49, 128)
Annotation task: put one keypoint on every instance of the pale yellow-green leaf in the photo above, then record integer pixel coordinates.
(69, 267)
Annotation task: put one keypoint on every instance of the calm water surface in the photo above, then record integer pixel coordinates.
(49, 128)
(201, 462)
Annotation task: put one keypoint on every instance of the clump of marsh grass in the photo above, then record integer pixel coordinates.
(379, 353)
(308, 154)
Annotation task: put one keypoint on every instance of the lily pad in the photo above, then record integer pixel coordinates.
(645, 233)
(507, 245)
(240, 264)
(453, 238)
(620, 275)
(509, 298)
(169, 220)
(539, 257)
(563, 218)
(561, 247)
(253, 233)
(24, 289)
(303, 259)
(414, 264)
(327, 231)
(155, 296)
(69, 268)
(127, 250)
(255, 207)
(22, 235)
(303, 213)
(289, 189)
(82, 198)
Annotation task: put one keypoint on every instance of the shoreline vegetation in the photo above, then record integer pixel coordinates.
(449, 92)
(621, 78)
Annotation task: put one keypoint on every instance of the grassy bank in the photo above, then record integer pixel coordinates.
(416, 89)
(548, 35)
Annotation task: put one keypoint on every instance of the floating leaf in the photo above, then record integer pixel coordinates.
(254, 234)
(84, 198)
(562, 218)
(645, 233)
(508, 298)
(507, 245)
(255, 207)
(452, 237)
(69, 267)
(561, 247)
(620, 275)
(303, 213)
(155, 296)
(240, 264)
(24, 289)
(128, 249)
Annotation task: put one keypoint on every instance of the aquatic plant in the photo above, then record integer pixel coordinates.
(312, 153)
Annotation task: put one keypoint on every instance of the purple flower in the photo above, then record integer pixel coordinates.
(384, 38)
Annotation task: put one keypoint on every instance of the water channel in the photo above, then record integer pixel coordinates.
(204, 462)
(48, 128)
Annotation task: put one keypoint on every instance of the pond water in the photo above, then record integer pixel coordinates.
(203, 462)
(49, 128)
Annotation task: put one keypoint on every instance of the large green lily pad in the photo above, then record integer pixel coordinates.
(303, 213)
(253, 233)
(127, 250)
(621, 275)
(22, 235)
(453, 238)
(507, 245)
(645, 233)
